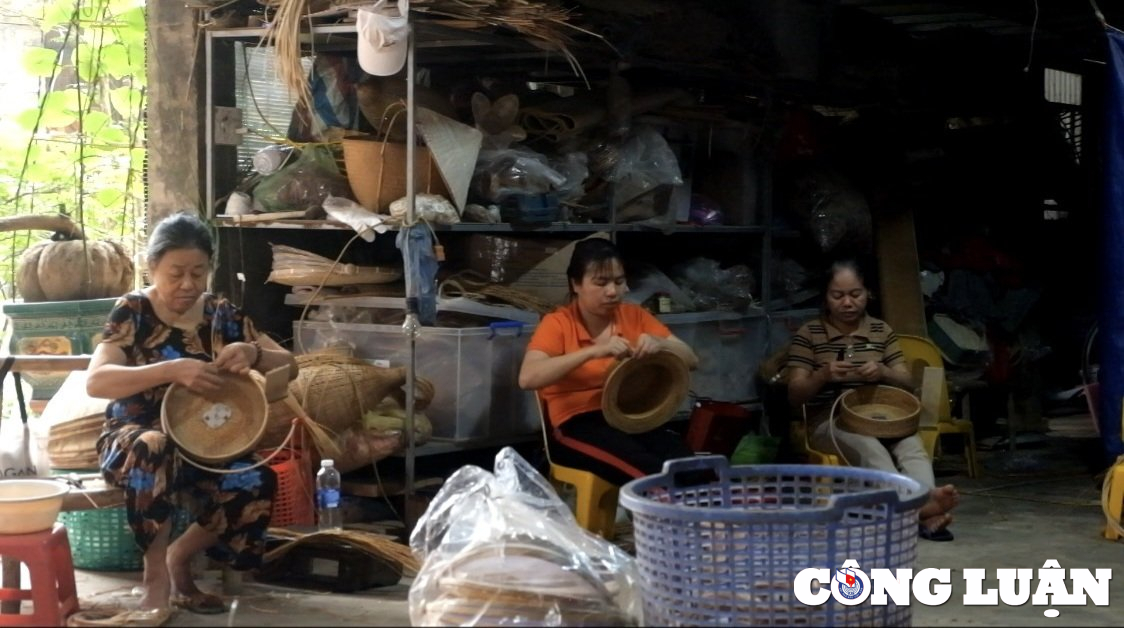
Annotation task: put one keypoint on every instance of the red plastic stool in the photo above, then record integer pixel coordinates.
(53, 594)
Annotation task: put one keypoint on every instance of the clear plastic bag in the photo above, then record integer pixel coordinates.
(715, 288)
(500, 173)
(503, 550)
(304, 183)
(644, 161)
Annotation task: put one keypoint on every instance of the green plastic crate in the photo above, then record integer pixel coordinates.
(56, 328)
(100, 539)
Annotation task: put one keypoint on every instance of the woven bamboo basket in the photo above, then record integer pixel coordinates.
(879, 411)
(335, 390)
(219, 428)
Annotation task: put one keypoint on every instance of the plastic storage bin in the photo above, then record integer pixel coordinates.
(731, 347)
(726, 551)
(474, 370)
(56, 328)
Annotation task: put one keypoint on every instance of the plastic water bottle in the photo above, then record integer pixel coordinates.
(328, 515)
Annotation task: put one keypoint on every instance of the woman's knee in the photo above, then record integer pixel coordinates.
(151, 444)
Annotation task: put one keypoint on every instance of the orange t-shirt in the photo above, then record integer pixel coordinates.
(562, 332)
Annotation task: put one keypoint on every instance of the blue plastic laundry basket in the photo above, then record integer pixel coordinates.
(726, 551)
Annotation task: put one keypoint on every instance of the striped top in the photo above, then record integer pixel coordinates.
(817, 343)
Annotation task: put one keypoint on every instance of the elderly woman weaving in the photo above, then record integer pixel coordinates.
(846, 348)
(175, 332)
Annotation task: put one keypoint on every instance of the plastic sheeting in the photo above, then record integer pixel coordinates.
(1111, 334)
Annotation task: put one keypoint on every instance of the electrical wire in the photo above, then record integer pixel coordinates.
(1033, 31)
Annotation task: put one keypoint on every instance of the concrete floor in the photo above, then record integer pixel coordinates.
(1031, 506)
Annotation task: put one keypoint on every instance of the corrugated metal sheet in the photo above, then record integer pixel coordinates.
(265, 102)
(1061, 87)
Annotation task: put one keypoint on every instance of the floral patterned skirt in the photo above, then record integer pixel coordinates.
(234, 506)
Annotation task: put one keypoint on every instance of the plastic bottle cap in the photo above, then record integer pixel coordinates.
(327, 462)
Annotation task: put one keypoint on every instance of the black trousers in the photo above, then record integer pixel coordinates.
(587, 442)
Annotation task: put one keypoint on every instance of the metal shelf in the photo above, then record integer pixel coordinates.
(503, 227)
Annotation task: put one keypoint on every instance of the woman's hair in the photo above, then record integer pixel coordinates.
(590, 254)
(837, 267)
(179, 231)
(834, 269)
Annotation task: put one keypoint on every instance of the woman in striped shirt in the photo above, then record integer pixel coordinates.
(846, 348)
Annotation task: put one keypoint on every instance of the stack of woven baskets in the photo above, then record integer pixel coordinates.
(513, 583)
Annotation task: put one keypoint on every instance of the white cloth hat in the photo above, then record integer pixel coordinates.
(383, 37)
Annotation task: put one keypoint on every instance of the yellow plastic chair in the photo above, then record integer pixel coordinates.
(1112, 495)
(595, 505)
(921, 352)
(799, 433)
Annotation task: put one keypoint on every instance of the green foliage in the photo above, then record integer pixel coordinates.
(80, 148)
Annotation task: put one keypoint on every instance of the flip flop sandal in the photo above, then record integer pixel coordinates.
(201, 603)
(139, 617)
(942, 535)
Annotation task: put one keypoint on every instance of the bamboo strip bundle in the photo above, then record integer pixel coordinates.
(375, 545)
(471, 285)
(284, 34)
(545, 24)
(297, 267)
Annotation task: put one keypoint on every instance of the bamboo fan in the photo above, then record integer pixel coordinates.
(297, 267)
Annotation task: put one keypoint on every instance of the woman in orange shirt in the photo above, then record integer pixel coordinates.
(568, 360)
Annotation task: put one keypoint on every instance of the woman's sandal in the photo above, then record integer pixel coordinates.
(152, 617)
(200, 602)
(935, 528)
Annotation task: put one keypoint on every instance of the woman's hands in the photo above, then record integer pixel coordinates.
(843, 371)
(198, 376)
(614, 347)
(237, 358)
(618, 347)
(648, 344)
(205, 377)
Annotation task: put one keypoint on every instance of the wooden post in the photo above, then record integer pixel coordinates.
(174, 125)
(899, 268)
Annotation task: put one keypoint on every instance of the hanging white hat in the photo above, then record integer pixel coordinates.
(383, 37)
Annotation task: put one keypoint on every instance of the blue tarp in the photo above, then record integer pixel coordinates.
(1112, 296)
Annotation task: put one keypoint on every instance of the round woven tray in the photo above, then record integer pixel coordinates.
(642, 394)
(223, 427)
(879, 411)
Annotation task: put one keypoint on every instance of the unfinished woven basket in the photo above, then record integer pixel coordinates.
(879, 411)
(642, 394)
(223, 427)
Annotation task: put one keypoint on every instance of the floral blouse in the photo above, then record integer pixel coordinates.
(134, 327)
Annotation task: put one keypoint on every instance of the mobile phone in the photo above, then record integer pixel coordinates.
(839, 357)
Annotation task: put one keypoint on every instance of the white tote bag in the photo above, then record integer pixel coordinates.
(16, 448)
